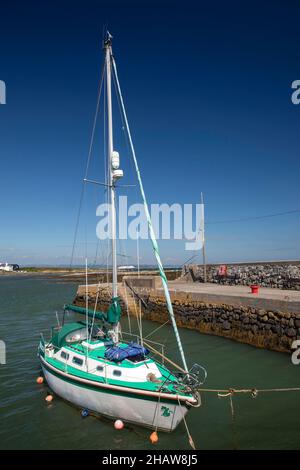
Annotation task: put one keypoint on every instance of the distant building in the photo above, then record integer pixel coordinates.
(9, 267)
(126, 268)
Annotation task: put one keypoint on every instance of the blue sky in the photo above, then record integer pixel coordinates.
(208, 95)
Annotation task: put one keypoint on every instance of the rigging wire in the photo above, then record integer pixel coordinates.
(126, 138)
(246, 219)
(88, 162)
(156, 329)
(138, 313)
(137, 308)
(86, 308)
(150, 227)
(127, 309)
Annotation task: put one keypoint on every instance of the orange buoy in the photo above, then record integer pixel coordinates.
(49, 398)
(154, 437)
(118, 424)
(39, 380)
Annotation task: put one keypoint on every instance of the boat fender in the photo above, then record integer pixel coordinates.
(154, 437)
(118, 424)
(39, 380)
(85, 413)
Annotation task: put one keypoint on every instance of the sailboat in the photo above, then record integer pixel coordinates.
(88, 362)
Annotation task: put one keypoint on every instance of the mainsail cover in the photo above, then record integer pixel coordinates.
(112, 316)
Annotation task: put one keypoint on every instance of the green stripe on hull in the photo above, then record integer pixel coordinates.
(146, 386)
(73, 381)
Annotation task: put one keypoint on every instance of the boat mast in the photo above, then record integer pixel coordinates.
(113, 173)
(110, 175)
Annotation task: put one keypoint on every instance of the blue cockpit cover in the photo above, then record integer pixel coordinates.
(117, 354)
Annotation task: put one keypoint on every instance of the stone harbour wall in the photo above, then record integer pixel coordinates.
(261, 327)
(278, 275)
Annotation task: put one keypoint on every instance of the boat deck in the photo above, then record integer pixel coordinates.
(167, 383)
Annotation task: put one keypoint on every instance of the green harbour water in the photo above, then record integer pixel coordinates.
(270, 421)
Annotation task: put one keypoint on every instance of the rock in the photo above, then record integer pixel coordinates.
(226, 325)
(278, 275)
(291, 332)
(276, 329)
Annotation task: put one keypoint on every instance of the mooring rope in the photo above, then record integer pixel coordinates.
(191, 441)
(253, 391)
(229, 393)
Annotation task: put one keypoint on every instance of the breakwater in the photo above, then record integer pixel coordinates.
(280, 275)
(270, 320)
(264, 328)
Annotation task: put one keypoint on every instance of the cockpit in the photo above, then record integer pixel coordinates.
(82, 334)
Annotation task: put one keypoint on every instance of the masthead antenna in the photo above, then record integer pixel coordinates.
(108, 38)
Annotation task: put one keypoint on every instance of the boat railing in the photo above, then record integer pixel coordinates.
(47, 335)
(158, 348)
(139, 340)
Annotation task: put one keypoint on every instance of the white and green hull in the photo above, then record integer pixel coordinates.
(144, 410)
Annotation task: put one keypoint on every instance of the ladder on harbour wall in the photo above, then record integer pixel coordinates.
(128, 298)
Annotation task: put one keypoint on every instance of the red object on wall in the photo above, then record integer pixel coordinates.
(222, 270)
(254, 289)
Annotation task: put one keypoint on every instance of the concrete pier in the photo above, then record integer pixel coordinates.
(270, 319)
(269, 298)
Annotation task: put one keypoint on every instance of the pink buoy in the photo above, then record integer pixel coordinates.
(118, 424)
(49, 398)
(39, 380)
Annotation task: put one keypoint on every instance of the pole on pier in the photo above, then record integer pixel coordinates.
(203, 238)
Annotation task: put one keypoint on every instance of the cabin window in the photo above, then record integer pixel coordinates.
(117, 373)
(64, 355)
(77, 360)
(100, 368)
